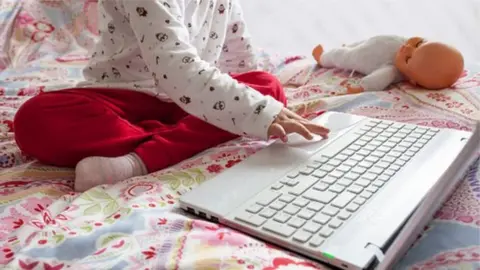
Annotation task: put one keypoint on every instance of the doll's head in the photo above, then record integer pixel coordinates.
(432, 65)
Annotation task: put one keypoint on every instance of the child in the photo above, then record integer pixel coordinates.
(155, 93)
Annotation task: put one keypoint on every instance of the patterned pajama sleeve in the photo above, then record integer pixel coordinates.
(237, 53)
(196, 86)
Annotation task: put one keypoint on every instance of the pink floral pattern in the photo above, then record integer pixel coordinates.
(137, 222)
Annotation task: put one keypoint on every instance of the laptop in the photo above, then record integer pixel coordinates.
(356, 200)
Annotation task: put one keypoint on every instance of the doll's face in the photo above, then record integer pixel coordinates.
(432, 65)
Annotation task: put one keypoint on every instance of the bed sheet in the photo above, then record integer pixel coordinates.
(136, 224)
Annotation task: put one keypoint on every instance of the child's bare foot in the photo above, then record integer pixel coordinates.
(94, 171)
(317, 53)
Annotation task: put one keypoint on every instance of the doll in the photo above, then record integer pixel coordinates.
(390, 59)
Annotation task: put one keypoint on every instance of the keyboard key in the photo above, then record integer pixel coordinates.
(320, 196)
(395, 140)
(277, 205)
(300, 202)
(291, 209)
(389, 172)
(335, 223)
(305, 182)
(366, 194)
(387, 134)
(405, 144)
(354, 147)
(343, 199)
(355, 189)
(367, 138)
(254, 208)
(321, 186)
(305, 170)
(375, 142)
(306, 214)
(267, 213)
(381, 138)
(282, 217)
(291, 182)
(293, 174)
(337, 188)
(296, 222)
(302, 236)
(377, 183)
(361, 143)
(329, 179)
(314, 164)
(388, 159)
(344, 182)
(384, 149)
(325, 232)
(372, 189)
(350, 162)
(363, 152)
(344, 168)
(277, 186)
(352, 207)
(334, 162)
(370, 176)
(352, 175)
(267, 197)
(399, 162)
(341, 157)
(336, 174)
(383, 125)
(359, 170)
(312, 227)
(409, 139)
(384, 178)
(357, 157)
(378, 154)
(344, 215)
(389, 144)
(321, 218)
(376, 171)
(279, 228)
(286, 198)
(382, 164)
(362, 182)
(395, 154)
(315, 206)
(327, 168)
(319, 173)
(394, 167)
(400, 149)
(251, 219)
(372, 159)
(348, 152)
(359, 200)
(316, 241)
(321, 159)
(330, 211)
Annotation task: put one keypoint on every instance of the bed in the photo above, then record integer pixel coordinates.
(136, 224)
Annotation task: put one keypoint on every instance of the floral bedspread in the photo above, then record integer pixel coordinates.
(136, 224)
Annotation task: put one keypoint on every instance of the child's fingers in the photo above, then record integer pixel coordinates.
(317, 129)
(293, 126)
(278, 131)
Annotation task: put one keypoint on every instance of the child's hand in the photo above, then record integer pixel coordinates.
(289, 122)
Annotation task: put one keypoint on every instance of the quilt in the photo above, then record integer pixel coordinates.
(136, 224)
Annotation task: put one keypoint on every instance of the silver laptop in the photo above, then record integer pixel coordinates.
(356, 200)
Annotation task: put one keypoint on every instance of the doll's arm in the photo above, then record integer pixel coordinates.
(380, 79)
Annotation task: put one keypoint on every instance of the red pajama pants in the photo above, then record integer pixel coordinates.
(63, 127)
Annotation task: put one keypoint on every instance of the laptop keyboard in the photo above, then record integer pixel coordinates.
(317, 198)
